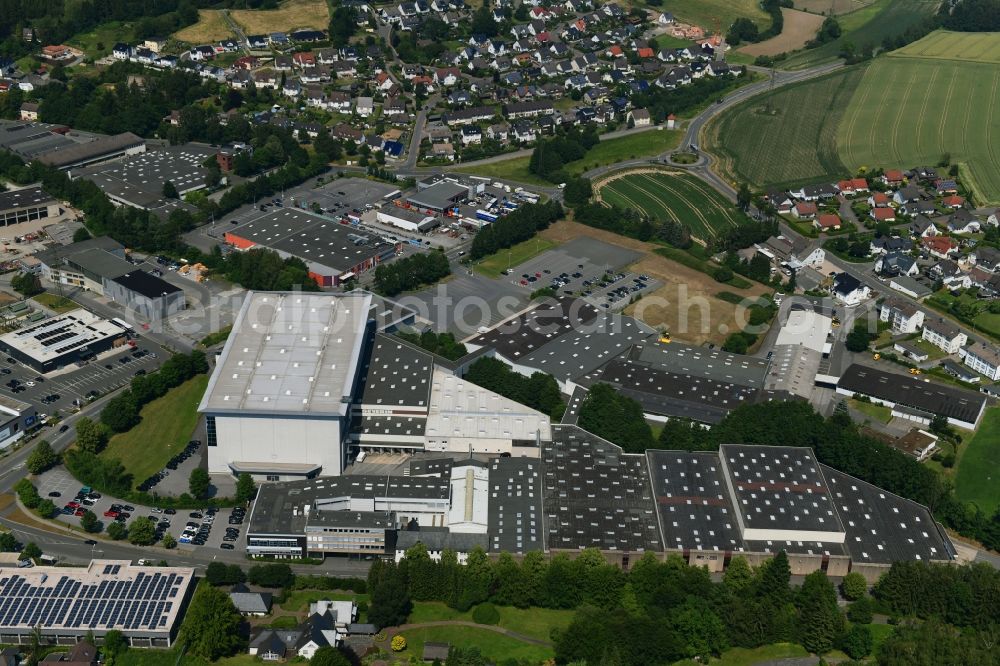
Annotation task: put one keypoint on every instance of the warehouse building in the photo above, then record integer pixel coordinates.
(63, 605)
(73, 336)
(101, 149)
(16, 418)
(914, 399)
(333, 252)
(440, 193)
(26, 205)
(57, 266)
(148, 296)
(278, 403)
(407, 220)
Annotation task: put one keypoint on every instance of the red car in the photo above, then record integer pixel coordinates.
(73, 505)
(110, 514)
(79, 512)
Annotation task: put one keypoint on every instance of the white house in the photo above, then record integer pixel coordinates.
(944, 335)
(903, 316)
(983, 359)
(849, 290)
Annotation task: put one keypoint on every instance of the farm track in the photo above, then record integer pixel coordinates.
(944, 115)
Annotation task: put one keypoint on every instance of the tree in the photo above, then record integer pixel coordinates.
(116, 530)
(617, 418)
(743, 197)
(42, 458)
(861, 611)
(343, 24)
(211, 628)
(738, 576)
(199, 482)
(857, 642)
(390, 598)
(329, 656)
(398, 643)
(854, 586)
(142, 532)
(820, 621)
(90, 436)
(114, 645)
(31, 551)
(246, 489)
(46, 508)
(89, 521)
(857, 340)
(219, 574)
(169, 190)
(81, 234)
(8, 544)
(27, 284)
(271, 575)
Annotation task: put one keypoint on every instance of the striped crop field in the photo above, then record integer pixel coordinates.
(908, 111)
(669, 195)
(947, 45)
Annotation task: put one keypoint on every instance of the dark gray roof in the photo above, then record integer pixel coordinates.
(312, 238)
(679, 358)
(381, 425)
(27, 197)
(439, 195)
(431, 467)
(694, 507)
(100, 263)
(910, 392)
(779, 488)
(92, 150)
(596, 495)
(440, 538)
(53, 255)
(515, 507)
(582, 351)
(146, 284)
(530, 331)
(396, 374)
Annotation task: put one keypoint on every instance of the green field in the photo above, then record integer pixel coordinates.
(977, 478)
(875, 412)
(706, 13)
(946, 45)
(492, 645)
(676, 196)
(166, 427)
(99, 41)
(628, 147)
(535, 622)
(746, 657)
(909, 111)
(784, 136)
(492, 265)
(55, 302)
(514, 169)
(866, 26)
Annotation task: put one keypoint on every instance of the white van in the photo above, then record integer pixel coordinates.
(361, 457)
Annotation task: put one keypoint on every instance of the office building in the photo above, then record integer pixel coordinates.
(58, 341)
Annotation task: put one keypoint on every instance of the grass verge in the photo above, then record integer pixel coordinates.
(165, 429)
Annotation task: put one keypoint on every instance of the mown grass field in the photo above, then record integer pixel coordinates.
(705, 13)
(674, 196)
(908, 111)
(977, 478)
(492, 645)
(211, 27)
(947, 45)
(512, 257)
(99, 41)
(166, 427)
(292, 14)
(55, 302)
(514, 169)
(784, 136)
(836, 7)
(868, 25)
(535, 622)
(628, 147)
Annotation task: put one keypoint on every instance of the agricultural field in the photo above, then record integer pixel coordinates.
(908, 111)
(706, 13)
(947, 45)
(677, 196)
(797, 29)
(868, 25)
(831, 7)
(784, 136)
(291, 15)
(211, 27)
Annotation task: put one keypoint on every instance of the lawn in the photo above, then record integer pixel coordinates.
(985, 323)
(165, 429)
(290, 15)
(785, 136)
(299, 600)
(492, 265)
(706, 13)
(912, 110)
(628, 147)
(513, 169)
(535, 622)
(99, 41)
(977, 478)
(211, 27)
(138, 657)
(866, 26)
(492, 645)
(879, 413)
(664, 195)
(55, 302)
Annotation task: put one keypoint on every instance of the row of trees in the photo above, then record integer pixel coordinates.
(442, 344)
(411, 272)
(550, 156)
(518, 226)
(632, 223)
(539, 391)
(264, 269)
(617, 418)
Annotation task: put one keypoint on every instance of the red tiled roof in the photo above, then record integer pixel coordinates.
(646, 53)
(828, 221)
(883, 214)
(893, 175)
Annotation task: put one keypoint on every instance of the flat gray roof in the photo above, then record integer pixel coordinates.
(438, 196)
(582, 351)
(27, 197)
(679, 358)
(396, 375)
(290, 353)
(516, 524)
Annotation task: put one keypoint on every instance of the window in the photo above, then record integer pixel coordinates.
(210, 431)
(273, 477)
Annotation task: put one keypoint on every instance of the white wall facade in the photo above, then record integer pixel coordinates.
(264, 441)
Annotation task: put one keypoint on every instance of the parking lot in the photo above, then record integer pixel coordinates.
(105, 373)
(58, 480)
(585, 268)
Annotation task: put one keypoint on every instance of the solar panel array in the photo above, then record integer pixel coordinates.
(143, 603)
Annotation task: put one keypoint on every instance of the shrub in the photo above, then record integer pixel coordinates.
(486, 614)
(854, 586)
(398, 643)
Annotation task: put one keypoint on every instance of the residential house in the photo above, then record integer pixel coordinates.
(827, 222)
(887, 244)
(524, 132)
(944, 335)
(882, 214)
(640, 117)
(804, 210)
(893, 177)
(959, 372)
(963, 222)
(878, 199)
(918, 207)
(922, 227)
(853, 186)
(953, 201)
(918, 444)
(987, 258)
(902, 315)
(906, 194)
(121, 51)
(984, 359)
(250, 604)
(814, 192)
(849, 290)
(29, 111)
(896, 263)
(471, 134)
(365, 106)
(941, 247)
(443, 151)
